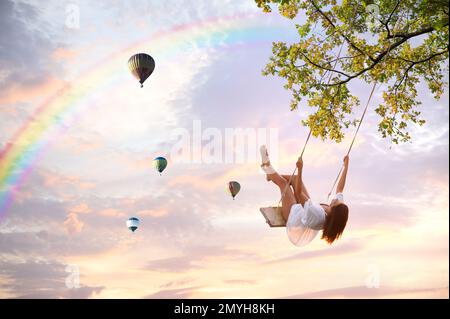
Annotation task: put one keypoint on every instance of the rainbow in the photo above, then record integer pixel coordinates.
(53, 116)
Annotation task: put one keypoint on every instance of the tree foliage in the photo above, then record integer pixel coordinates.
(395, 43)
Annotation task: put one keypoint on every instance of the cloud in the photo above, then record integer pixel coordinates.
(175, 264)
(49, 183)
(40, 279)
(161, 215)
(369, 214)
(83, 292)
(55, 243)
(35, 213)
(196, 257)
(181, 293)
(153, 212)
(382, 292)
(176, 283)
(112, 212)
(339, 250)
(25, 242)
(14, 93)
(240, 282)
(211, 181)
(81, 208)
(26, 63)
(166, 222)
(64, 54)
(72, 224)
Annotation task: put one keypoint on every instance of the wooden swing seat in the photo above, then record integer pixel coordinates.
(274, 216)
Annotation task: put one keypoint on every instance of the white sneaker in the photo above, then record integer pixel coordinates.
(266, 166)
(264, 155)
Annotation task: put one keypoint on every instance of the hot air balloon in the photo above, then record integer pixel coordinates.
(141, 66)
(160, 163)
(234, 188)
(133, 223)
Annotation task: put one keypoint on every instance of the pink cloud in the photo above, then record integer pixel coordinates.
(210, 183)
(57, 181)
(17, 92)
(382, 292)
(181, 293)
(64, 54)
(76, 145)
(81, 208)
(111, 212)
(72, 224)
(153, 212)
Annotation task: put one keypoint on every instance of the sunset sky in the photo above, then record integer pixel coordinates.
(78, 136)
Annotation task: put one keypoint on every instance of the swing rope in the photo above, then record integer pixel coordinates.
(354, 136)
(310, 130)
(357, 129)
(361, 120)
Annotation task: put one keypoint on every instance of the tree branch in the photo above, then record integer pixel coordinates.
(415, 33)
(380, 57)
(344, 57)
(343, 35)
(323, 67)
(386, 24)
(423, 60)
(405, 76)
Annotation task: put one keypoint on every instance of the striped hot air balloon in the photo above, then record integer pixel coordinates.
(133, 223)
(234, 188)
(141, 66)
(160, 163)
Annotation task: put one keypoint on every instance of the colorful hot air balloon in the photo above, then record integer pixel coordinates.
(133, 223)
(141, 66)
(234, 188)
(160, 163)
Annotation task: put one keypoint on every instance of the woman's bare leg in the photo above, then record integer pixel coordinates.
(287, 195)
(304, 190)
(289, 198)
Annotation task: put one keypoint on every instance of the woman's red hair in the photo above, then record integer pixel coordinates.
(335, 223)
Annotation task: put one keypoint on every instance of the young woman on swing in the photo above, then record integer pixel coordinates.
(304, 219)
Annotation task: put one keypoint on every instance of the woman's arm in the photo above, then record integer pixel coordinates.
(341, 184)
(298, 188)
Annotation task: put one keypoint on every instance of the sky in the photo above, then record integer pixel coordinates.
(79, 136)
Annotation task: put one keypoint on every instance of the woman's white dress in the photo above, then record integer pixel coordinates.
(306, 221)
